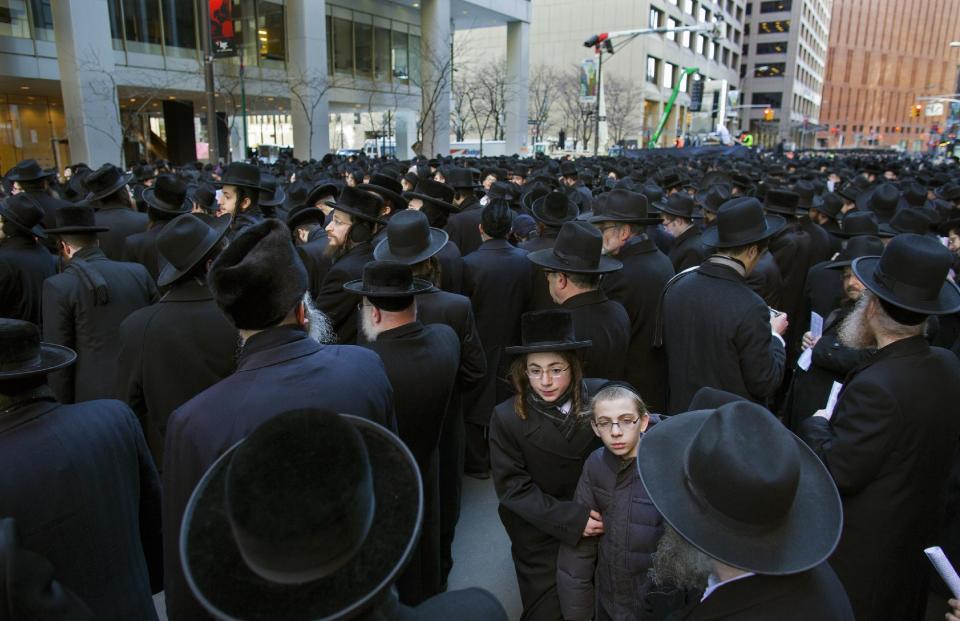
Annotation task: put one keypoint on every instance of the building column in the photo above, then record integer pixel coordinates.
(517, 104)
(85, 60)
(307, 77)
(435, 74)
(405, 132)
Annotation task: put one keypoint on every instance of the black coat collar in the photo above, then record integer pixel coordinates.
(588, 298)
(274, 345)
(904, 347)
(187, 291)
(401, 332)
(636, 246)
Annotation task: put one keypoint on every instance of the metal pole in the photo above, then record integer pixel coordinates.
(208, 85)
(243, 107)
(596, 112)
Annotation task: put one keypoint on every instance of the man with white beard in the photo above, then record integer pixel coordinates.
(893, 433)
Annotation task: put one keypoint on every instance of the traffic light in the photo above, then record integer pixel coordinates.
(915, 111)
(768, 114)
(696, 96)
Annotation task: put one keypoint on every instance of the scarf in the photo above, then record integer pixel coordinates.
(91, 279)
(566, 423)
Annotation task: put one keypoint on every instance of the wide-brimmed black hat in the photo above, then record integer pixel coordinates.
(856, 247)
(360, 204)
(435, 193)
(312, 516)
(79, 218)
(259, 278)
(578, 250)
(568, 169)
(669, 179)
(460, 179)
(883, 201)
(272, 194)
(410, 239)
(303, 214)
(859, 223)
(184, 242)
(531, 192)
(911, 274)
(624, 206)
(553, 209)
(781, 201)
(948, 192)
(546, 331)
(29, 170)
(678, 204)
(324, 188)
(830, 205)
(741, 221)
(387, 279)
(168, 195)
(908, 220)
(388, 188)
(203, 195)
(144, 172)
(712, 199)
(740, 487)
(806, 192)
(241, 175)
(22, 354)
(23, 212)
(504, 190)
(104, 181)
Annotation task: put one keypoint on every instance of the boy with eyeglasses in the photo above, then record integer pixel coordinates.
(605, 578)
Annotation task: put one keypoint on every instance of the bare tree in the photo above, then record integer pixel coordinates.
(439, 61)
(491, 86)
(460, 113)
(577, 118)
(622, 99)
(307, 89)
(544, 89)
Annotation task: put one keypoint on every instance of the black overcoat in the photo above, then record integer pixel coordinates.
(606, 323)
(422, 363)
(498, 279)
(339, 304)
(123, 222)
(451, 268)
(823, 290)
(30, 264)
(541, 299)
(49, 204)
(535, 473)
(822, 244)
(279, 369)
(766, 281)
(889, 447)
(71, 317)
(142, 248)
(83, 488)
(687, 251)
(170, 352)
(791, 250)
(637, 287)
(463, 226)
(716, 332)
(314, 257)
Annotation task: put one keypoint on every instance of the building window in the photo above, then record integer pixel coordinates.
(381, 53)
(700, 41)
(685, 38)
(770, 70)
(343, 45)
(711, 50)
(401, 65)
(774, 100)
(775, 47)
(271, 33)
(363, 46)
(656, 17)
(688, 7)
(775, 6)
(782, 25)
(672, 23)
(414, 54)
(141, 24)
(684, 82)
(13, 19)
(746, 30)
(652, 64)
(180, 28)
(743, 71)
(749, 8)
(42, 15)
(668, 71)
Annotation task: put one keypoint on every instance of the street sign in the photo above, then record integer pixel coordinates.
(934, 108)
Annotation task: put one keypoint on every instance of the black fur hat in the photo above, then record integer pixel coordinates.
(259, 278)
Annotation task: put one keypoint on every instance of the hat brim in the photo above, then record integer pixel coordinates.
(327, 189)
(52, 358)
(438, 239)
(947, 302)
(400, 203)
(597, 219)
(169, 274)
(219, 183)
(304, 216)
(355, 212)
(546, 258)
(278, 197)
(429, 199)
(536, 210)
(417, 287)
(122, 181)
(44, 174)
(805, 538)
(149, 196)
(67, 230)
(227, 588)
(538, 348)
(36, 230)
(665, 208)
(711, 236)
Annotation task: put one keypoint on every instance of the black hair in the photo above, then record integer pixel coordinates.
(79, 240)
(497, 219)
(584, 281)
(245, 192)
(761, 245)
(392, 304)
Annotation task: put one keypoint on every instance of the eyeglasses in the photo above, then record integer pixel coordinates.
(622, 422)
(554, 372)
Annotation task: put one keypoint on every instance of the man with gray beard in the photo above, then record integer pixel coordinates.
(751, 516)
(891, 437)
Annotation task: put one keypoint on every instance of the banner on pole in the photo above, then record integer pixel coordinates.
(223, 41)
(588, 82)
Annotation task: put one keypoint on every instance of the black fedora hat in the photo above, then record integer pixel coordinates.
(304, 214)
(324, 188)
(78, 218)
(806, 192)
(504, 190)
(184, 242)
(460, 179)
(553, 209)
(578, 250)
(546, 331)
(271, 194)
(144, 172)
(883, 201)
(678, 204)
(859, 223)
(948, 192)
(388, 188)
(23, 213)
(29, 170)
(712, 199)
(735, 483)
(624, 206)
(242, 175)
(856, 247)
(410, 239)
(387, 279)
(104, 181)
(781, 201)
(830, 205)
(168, 195)
(203, 195)
(531, 192)
(741, 221)
(434, 192)
(911, 274)
(22, 354)
(360, 204)
(908, 220)
(312, 516)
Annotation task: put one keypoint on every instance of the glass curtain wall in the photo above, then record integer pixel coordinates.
(361, 45)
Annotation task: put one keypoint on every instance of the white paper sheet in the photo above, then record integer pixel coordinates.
(805, 359)
(945, 569)
(816, 325)
(832, 399)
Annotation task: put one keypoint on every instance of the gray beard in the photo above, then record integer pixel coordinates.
(678, 563)
(366, 326)
(319, 328)
(855, 331)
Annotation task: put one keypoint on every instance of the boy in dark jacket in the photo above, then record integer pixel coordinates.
(605, 578)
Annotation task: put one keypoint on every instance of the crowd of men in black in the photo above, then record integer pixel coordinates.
(705, 387)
